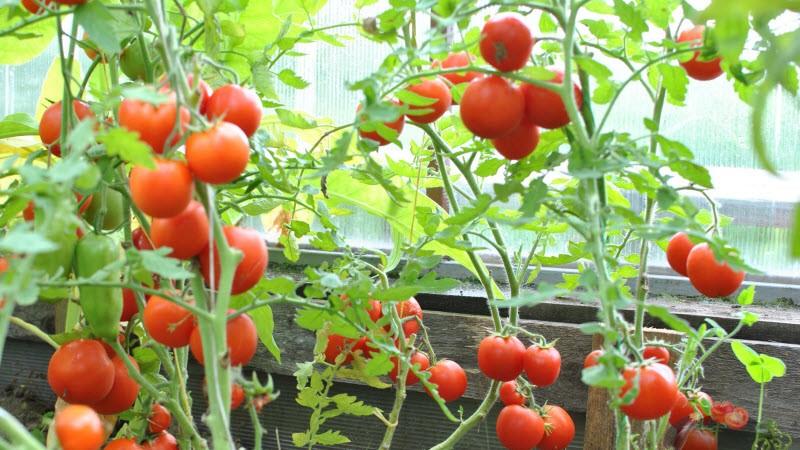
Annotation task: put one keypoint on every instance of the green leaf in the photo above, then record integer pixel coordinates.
(744, 354)
(671, 320)
(27, 43)
(291, 249)
(262, 317)
(19, 124)
(278, 285)
(692, 172)
(547, 24)
(159, 263)
(775, 366)
(632, 17)
(675, 81)
(414, 99)
(472, 211)
(489, 167)
(331, 437)
(294, 119)
(291, 79)
(795, 247)
(127, 145)
(378, 364)
(543, 293)
(20, 240)
(300, 439)
(746, 296)
(593, 67)
(749, 318)
(98, 22)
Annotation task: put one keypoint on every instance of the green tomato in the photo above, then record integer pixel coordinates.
(132, 60)
(114, 214)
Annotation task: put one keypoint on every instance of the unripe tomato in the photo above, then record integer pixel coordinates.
(241, 336)
(660, 354)
(164, 441)
(81, 372)
(124, 391)
(153, 123)
(237, 396)
(592, 359)
(218, 155)
(677, 251)
(455, 60)
(519, 143)
(519, 428)
(492, 107)
(545, 108)
(34, 6)
(167, 323)
(542, 365)
(396, 125)
(699, 70)
(131, 61)
(237, 105)
(162, 192)
(500, 358)
(186, 234)
(450, 380)
(708, 276)
(409, 308)
(123, 444)
(509, 394)
(658, 390)
(50, 124)
(160, 419)
(78, 427)
(506, 42)
(434, 89)
(559, 429)
(251, 267)
(114, 209)
(419, 360)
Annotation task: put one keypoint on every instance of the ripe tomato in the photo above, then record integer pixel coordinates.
(684, 410)
(542, 365)
(559, 429)
(509, 394)
(506, 42)
(242, 339)
(677, 251)
(251, 267)
(375, 310)
(492, 107)
(153, 123)
(29, 213)
(124, 391)
(140, 239)
(545, 108)
(519, 143)
(164, 191)
(50, 124)
(455, 60)
(657, 391)
(123, 444)
(81, 372)
(78, 427)
(160, 418)
(696, 68)
(167, 323)
(369, 133)
(129, 306)
(693, 438)
(237, 105)
(34, 6)
(708, 276)
(218, 155)
(418, 359)
(164, 441)
(237, 396)
(660, 354)
(737, 419)
(186, 234)
(449, 379)
(592, 359)
(89, 47)
(519, 428)
(409, 308)
(434, 89)
(500, 358)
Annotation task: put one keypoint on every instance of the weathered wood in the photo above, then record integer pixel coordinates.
(599, 429)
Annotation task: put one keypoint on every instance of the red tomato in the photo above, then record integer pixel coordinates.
(242, 339)
(237, 396)
(167, 323)
(81, 372)
(506, 42)
(140, 240)
(737, 419)
(251, 267)
(492, 107)
(708, 276)
(186, 234)
(660, 354)
(164, 441)
(434, 89)
(592, 359)
(509, 394)
(449, 378)
(50, 124)
(29, 213)
(3, 264)
(160, 419)
(519, 143)
(519, 428)
(677, 251)
(396, 125)
(719, 410)
(699, 70)
(338, 344)
(218, 155)
(542, 365)
(500, 358)
(406, 309)
(375, 310)
(693, 438)
(153, 123)
(657, 391)
(124, 391)
(545, 108)
(455, 60)
(683, 410)
(559, 429)
(78, 427)
(70, 2)
(34, 6)
(237, 105)
(418, 359)
(123, 444)
(164, 191)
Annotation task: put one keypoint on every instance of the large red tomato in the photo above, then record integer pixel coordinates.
(693, 438)
(124, 391)
(660, 354)
(123, 444)
(78, 427)
(696, 68)
(542, 365)
(218, 155)
(251, 267)
(500, 358)
(519, 143)
(453, 61)
(237, 105)
(658, 390)
(519, 428)
(677, 251)
(153, 123)
(434, 89)
(708, 276)
(407, 309)
(544, 107)
(418, 359)
(396, 125)
(167, 323)
(50, 124)
(559, 429)
(186, 234)
(241, 336)
(509, 394)
(164, 191)
(81, 372)
(506, 42)
(492, 107)
(449, 379)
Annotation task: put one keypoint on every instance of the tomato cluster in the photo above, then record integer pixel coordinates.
(710, 277)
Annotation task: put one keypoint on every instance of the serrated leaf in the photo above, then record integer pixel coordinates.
(543, 293)
(746, 296)
(159, 263)
(127, 145)
(20, 240)
(331, 437)
(291, 79)
(671, 320)
(294, 119)
(98, 22)
(489, 167)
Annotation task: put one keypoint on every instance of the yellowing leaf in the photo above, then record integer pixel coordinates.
(53, 86)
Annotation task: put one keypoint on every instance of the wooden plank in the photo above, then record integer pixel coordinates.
(599, 430)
